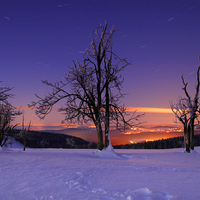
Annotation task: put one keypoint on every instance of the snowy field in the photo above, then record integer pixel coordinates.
(49, 174)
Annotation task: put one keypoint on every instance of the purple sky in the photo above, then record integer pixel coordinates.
(40, 38)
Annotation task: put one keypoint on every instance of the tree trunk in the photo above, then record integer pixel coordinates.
(24, 145)
(107, 139)
(188, 135)
(187, 146)
(99, 101)
(107, 119)
(192, 134)
(100, 139)
(99, 134)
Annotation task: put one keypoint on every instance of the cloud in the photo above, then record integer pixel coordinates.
(129, 109)
(149, 110)
(27, 108)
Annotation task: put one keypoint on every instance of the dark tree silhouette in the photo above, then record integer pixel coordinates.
(25, 132)
(95, 89)
(5, 94)
(186, 111)
(7, 115)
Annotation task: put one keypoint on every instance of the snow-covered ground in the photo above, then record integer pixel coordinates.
(47, 174)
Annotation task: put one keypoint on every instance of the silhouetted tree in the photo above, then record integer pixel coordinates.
(7, 115)
(186, 110)
(5, 94)
(181, 113)
(95, 88)
(25, 132)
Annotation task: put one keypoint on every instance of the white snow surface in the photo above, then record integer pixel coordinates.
(62, 174)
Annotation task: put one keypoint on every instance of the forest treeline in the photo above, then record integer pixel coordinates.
(38, 139)
(91, 99)
(169, 143)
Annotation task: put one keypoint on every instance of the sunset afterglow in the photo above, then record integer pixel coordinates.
(148, 110)
(149, 140)
(88, 131)
(100, 99)
(159, 38)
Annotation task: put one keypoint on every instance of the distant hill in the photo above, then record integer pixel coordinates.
(39, 139)
(170, 143)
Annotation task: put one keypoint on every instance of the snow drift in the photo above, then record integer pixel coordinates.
(89, 174)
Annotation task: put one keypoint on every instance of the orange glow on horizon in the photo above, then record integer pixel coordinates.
(149, 110)
(158, 124)
(128, 109)
(132, 142)
(27, 108)
(149, 140)
(38, 127)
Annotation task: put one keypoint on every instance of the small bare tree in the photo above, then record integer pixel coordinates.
(5, 94)
(180, 109)
(25, 132)
(7, 115)
(95, 88)
(187, 111)
(193, 105)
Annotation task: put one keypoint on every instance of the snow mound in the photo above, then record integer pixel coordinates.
(17, 145)
(146, 194)
(11, 144)
(106, 153)
(39, 174)
(191, 151)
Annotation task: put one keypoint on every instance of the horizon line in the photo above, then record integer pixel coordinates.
(128, 109)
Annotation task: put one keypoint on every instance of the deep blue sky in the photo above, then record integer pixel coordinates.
(161, 38)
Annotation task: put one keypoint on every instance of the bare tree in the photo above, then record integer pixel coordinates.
(25, 132)
(108, 65)
(7, 115)
(186, 111)
(5, 94)
(180, 109)
(193, 105)
(95, 88)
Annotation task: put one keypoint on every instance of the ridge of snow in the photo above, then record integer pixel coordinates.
(106, 153)
(73, 174)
